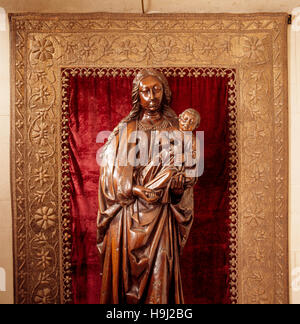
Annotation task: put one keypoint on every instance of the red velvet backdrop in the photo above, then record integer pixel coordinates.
(99, 103)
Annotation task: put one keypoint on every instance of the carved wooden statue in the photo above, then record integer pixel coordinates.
(145, 209)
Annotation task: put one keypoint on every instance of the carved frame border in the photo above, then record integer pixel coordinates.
(255, 45)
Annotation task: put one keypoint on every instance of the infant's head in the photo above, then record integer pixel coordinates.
(189, 120)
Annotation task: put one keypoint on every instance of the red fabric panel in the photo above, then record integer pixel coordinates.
(98, 104)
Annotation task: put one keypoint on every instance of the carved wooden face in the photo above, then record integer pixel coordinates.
(188, 121)
(151, 93)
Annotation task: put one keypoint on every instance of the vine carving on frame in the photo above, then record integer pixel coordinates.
(43, 45)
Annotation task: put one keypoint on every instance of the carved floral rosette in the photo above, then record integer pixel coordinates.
(254, 46)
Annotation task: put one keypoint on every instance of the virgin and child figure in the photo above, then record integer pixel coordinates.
(146, 209)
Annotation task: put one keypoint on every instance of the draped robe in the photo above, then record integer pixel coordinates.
(139, 242)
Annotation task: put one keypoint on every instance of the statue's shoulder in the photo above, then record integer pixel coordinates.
(172, 118)
(173, 122)
(131, 125)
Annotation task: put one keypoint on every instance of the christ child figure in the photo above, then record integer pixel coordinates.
(171, 172)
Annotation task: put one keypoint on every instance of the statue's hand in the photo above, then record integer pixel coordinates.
(177, 185)
(147, 194)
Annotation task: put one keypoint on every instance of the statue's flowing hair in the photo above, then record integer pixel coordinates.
(134, 114)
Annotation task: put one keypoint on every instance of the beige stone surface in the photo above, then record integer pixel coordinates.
(295, 206)
(294, 76)
(150, 5)
(4, 129)
(295, 237)
(297, 258)
(4, 95)
(5, 245)
(5, 215)
(6, 263)
(6, 254)
(4, 172)
(6, 297)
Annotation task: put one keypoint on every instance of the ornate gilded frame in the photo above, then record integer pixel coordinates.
(254, 45)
